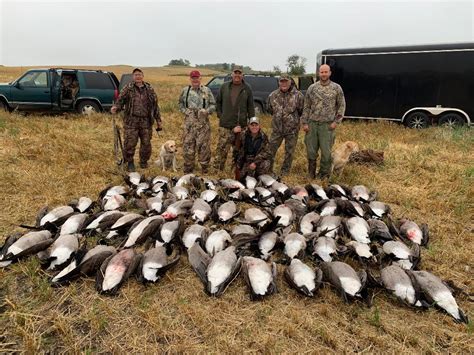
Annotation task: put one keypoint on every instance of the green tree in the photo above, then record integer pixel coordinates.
(276, 70)
(180, 61)
(296, 64)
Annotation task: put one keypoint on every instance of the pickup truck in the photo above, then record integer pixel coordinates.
(262, 86)
(60, 90)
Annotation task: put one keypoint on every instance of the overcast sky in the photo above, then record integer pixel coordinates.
(258, 34)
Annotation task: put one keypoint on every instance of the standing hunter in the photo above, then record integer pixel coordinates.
(324, 107)
(140, 105)
(234, 108)
(197, 103)
(285, 104)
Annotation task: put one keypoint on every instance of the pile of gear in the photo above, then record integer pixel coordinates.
(340, 235)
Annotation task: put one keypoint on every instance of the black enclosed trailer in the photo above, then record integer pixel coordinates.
(417, 85)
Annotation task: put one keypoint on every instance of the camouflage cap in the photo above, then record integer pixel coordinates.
(137, 70)
(254, 120)
(239, 68)
(285, 76)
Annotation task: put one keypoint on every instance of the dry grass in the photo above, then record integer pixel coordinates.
(50, 160)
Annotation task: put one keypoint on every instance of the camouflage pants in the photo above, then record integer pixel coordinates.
(290, 144)
(320, 136)
(225, 141)
(132, 133)
(196, 139)
(262, 168)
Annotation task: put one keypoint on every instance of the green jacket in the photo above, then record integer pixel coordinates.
(231, 116)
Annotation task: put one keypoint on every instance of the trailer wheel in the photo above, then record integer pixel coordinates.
(451, 120)
(417, 120)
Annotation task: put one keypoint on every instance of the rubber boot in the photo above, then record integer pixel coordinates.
(130, 166)
(311, 168)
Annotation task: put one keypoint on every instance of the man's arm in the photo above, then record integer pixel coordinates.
(212, 102)
(340, 105)
(181, 100)
(269, 104)
(122, 99)
(219, 101)
(299, 103)
(307, 107)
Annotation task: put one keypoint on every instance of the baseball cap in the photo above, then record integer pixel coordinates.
(284, 76)
(137, 69)
(239, 68)
(254, 120)
(194, 74)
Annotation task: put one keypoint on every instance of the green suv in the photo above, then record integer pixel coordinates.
(60, 90)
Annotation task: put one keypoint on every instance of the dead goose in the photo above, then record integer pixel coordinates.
(260, 277)
(86, 263)
(114, 202)
(133, 178)
(241, 229)
(16, 247)
(255, 216)
(250, 182)
(345, 279)
(194, 233)
(177, 208)
(62, 250)
(265, 196)
(56, 216)
(395, 279)
(295, 245)
(379, 209)
(362, 250)
(216, 273)
(110, 191)
(335, 190)
(326, 207)
(405, 257)
(325, 247)
(74, 224)
(231, 184)
(308, 222)
(169, 230)
(267, 243)
(216, 241)
(358, 229)
(200, 211)
(143, 229)
(154, 264)
(126, 221)
(115, 270)
(160, 179)
(185, 180)
(154, 204)
(284, 213)
(362, 193)
(180, 192)
(329, 226)
(210, 196)
(227, 211)
(83, 204)
(379, 230)
(104, 220)
(317, 192)
(266, 180)
(437, 293)
(303, 278)
(411, 231)
(143, 189)
(349, 208)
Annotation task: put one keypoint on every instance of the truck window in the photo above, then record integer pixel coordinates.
(94, 80)
(38, 79)
(216, 83)
(262, 83)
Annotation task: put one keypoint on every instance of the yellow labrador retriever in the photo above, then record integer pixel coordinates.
(167, 159)
(340, 156)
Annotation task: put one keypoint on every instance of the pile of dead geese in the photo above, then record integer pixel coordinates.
(340, 235)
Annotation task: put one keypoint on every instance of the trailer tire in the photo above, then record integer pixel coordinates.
(417, 120)
(451, 120)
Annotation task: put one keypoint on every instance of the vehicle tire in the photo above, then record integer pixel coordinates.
(417, 120)
(87, 107)
(3, 107)
(258, 109)
(451, 120)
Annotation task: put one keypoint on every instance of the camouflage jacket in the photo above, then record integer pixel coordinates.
(286, 109)
(324, 103)
(197, 99)
(254, 150)
(126, 99)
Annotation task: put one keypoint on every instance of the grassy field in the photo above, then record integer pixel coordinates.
(427, 176)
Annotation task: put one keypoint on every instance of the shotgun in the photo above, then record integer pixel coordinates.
(118, 145)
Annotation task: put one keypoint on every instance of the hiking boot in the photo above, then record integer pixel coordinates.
(204, 170)
(311, 168)
(143, 165)
(323, 176)
(130, 166)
